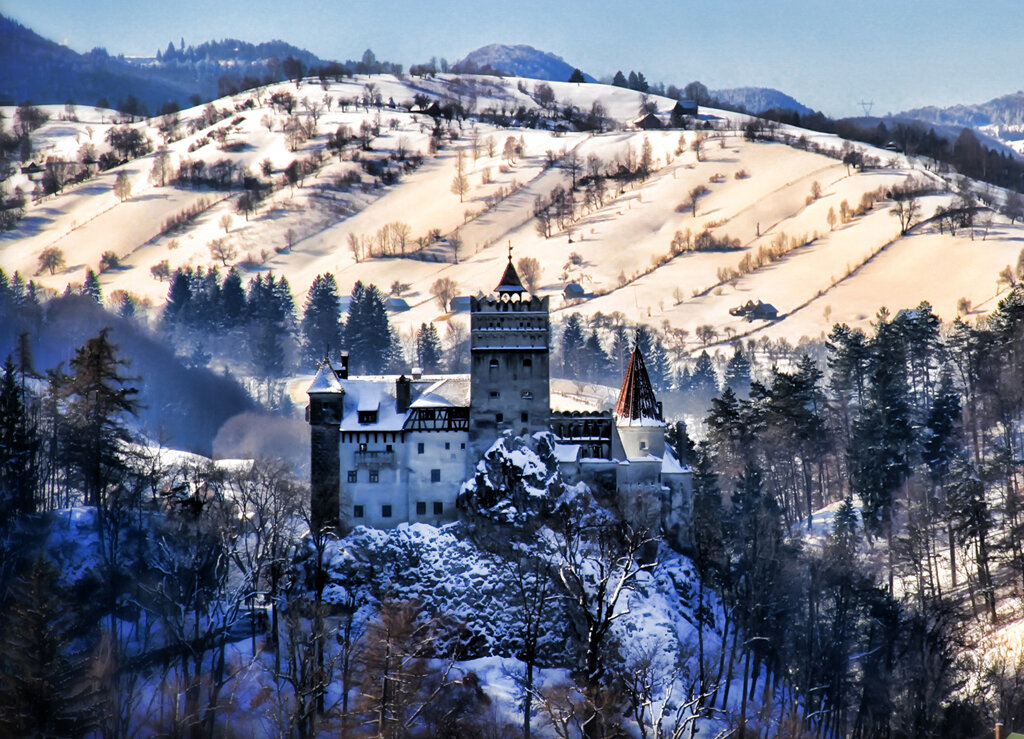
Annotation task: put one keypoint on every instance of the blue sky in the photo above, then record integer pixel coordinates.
(829, 55)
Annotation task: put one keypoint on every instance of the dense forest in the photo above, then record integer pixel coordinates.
(856, 534)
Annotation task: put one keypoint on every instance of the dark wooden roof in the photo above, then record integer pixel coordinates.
(636, 398)
(510, 282)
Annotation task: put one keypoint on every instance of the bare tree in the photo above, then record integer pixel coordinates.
(572, 163)
(460, 183)
(161, 270)
(906, 209)
(161, 162)
(221, 249)
(122, 186)
(601, 559)
(400, 233)
(225, 222)
(530, 270)
(695, 195)
(444, 289)
(1014, 206)
(51, 259)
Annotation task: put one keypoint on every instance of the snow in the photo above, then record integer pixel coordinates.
(814, 286)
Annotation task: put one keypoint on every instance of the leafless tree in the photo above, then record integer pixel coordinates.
(460, 183)
(222, 250)
(444, 289)
(573, 165)
(530, 270)
(122, 186)
(51, 259)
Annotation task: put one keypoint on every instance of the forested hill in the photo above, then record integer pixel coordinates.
(37, 69)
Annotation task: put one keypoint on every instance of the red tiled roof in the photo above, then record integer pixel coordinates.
(636, 398)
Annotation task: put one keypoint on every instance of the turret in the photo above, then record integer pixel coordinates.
(324, 413)
(509, 361)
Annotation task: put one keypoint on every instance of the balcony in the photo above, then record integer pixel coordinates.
(375, 459)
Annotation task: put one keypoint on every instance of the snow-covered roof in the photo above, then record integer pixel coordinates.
(377, 393)
(671, 466)
(567, 453)
(325, 381)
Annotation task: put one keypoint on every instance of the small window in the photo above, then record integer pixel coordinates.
(524, 417)
(385, 511)
(374, 475)
(495, 394)
(367, 416)
(419, 448)
(494, 364)
(527, 363)
(462, 445)
(389, 448)
(362, 447)
(499, 417)
(438, 508)
(643, 445)
(447, 445)
(357, 511)
(435, 475)
(421, 508)
(352, 476)
(527, 395)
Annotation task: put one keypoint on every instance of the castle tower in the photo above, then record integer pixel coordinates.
(324, 413)
(509, 361)
(638, 418)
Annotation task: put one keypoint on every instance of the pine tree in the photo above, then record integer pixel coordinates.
(619, 80)
(91, 286)
(178, 295)
(737, 372)
(619, 353)
(100, 401)
(368, 330)
(572, 343)
(594, 361)
(18, 448)
(703, 381)
(45, 682)
(428, 348)
(321, 321)
(707, 536)
(232, 298)
(879, 451)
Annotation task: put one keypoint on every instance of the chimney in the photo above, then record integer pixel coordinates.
(342, 371)
(403, 394)
(417, 373)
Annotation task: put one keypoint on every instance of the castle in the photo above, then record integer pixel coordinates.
(386, 450)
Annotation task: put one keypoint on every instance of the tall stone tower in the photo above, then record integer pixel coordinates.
(324, 413)
(509, 361)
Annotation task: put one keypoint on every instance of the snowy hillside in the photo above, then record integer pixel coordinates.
(768, 224)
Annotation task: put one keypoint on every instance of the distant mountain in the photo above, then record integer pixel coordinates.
(518, 61)
(42, 71)
(759, 99)
(1007, 110)
(37, 69)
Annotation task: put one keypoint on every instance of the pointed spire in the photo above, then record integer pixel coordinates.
(636, 398)
(510, 282)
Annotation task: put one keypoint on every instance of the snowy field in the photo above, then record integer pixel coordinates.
(757, 193)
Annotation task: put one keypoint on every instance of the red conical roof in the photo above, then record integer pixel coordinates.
(636, 398)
